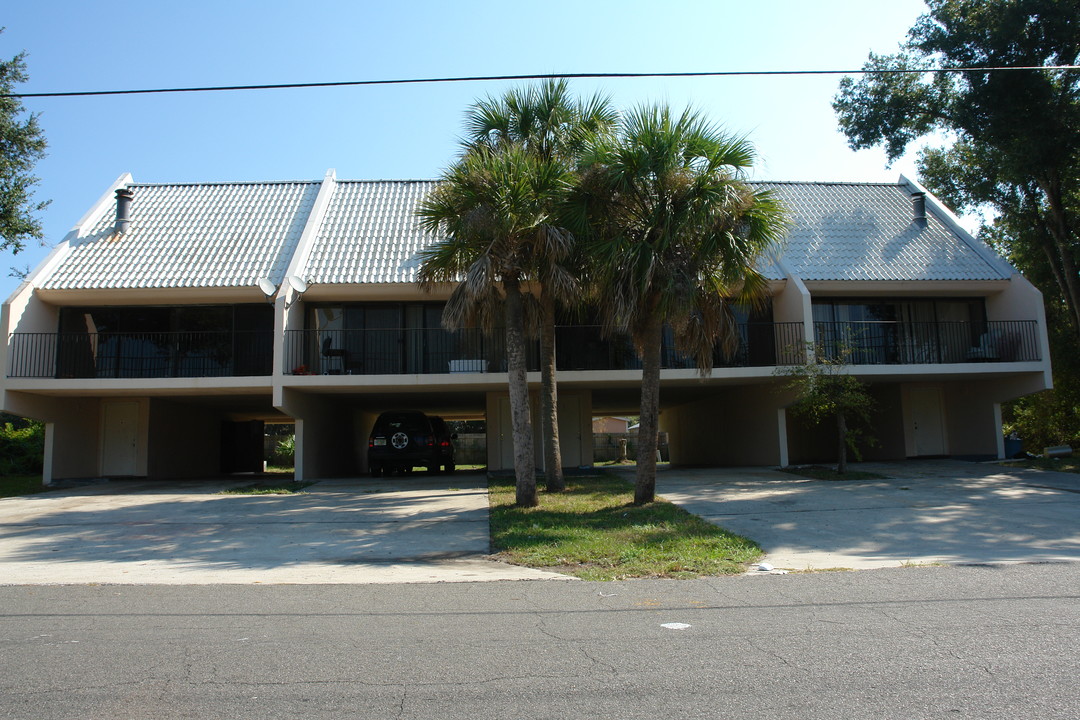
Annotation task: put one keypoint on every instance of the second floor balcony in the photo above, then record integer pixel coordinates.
(141, 354)
(395, 351)
(915, 343)
(434, 351)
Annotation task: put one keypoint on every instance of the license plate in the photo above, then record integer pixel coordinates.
(380, 441)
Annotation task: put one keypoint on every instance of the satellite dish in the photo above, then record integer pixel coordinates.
(269, 289)
(297, 284)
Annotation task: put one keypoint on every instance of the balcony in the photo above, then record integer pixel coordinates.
(424, 351)
(911, 343)
(396, 351)
(141, 354)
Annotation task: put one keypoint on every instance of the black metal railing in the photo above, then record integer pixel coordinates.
(435, 350)
(910, 343)
(141, 354)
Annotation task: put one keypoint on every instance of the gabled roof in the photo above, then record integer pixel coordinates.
(236, 234)
(197, 235)
(370, 234)
(866, 231)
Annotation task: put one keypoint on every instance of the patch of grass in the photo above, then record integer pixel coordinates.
(275, 488)
(15, 485)
(593, 531)
(820, 472)
(1071, 465)
(279, 469)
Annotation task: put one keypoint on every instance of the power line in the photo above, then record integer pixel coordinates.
(486, 78)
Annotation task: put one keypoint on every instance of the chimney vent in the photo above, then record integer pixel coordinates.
(918, 208)
(123, 209)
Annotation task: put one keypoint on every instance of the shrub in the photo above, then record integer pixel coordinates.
(285, 450)
(22, 450)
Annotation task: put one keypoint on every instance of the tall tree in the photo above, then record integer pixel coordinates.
(493, 209)
(22, 144)
(1014, 143)
(545, 121)
(674, 235)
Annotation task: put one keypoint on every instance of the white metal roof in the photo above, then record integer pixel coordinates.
(233, 234)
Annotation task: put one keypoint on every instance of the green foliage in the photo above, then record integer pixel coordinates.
(497, 210)
(286, 448)
(672, 234)
(826, 391)
(1013, 153)
(16, 485)
(1013, 144)
(22, 448)
(22, 144)
(269, 488)
(592, 531)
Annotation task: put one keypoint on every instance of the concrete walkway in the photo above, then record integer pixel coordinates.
(417, 529)
(936, 511)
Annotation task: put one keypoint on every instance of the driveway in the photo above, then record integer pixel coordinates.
(417, 529)
(935, 511)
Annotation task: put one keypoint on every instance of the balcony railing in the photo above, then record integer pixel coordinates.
(396, 351)
(909, 343)
(141, 354)
(399, 351)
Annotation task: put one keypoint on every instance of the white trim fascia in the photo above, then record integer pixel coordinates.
(311, 230)
(950, 219)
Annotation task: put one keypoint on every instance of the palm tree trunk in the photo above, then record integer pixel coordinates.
(549, 398)
(520, 415)
(841, 449)
(649, 421)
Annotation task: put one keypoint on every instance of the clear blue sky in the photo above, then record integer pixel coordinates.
(411, 131)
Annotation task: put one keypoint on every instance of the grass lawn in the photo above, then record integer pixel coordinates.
(594, 532)
(1068, 464)
(272, 487)
(14, 485)
(820, 472)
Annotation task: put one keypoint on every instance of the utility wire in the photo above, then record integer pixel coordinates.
(484, 78)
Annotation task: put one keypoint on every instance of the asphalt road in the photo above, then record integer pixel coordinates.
(925, 642)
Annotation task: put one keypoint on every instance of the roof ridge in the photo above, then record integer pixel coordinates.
(826, 182)
(208, 183)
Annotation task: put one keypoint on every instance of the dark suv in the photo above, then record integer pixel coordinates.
(404, 439)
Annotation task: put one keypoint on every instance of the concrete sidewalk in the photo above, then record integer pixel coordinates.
(417, 529)
(935, 511)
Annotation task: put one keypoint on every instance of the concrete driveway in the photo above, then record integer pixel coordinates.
(419, 529)
(935, 511)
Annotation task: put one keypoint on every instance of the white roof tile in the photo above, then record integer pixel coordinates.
(369, 234)
(866, 231)
(232, 234)
(199, 235)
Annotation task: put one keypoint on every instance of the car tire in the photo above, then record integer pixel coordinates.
(376, 470)
(449, 468)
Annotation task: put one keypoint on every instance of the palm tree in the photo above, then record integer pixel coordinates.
(675, 236)
(493, 209)
(546, 122)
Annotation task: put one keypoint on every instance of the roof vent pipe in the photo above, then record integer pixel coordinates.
(123, 209)
(918, 208)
